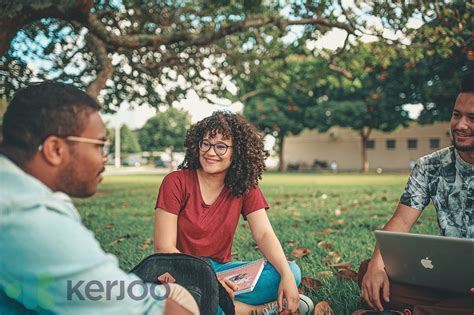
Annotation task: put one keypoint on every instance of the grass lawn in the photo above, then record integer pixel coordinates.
(302, 209)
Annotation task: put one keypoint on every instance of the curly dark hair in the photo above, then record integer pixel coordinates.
(248, 154)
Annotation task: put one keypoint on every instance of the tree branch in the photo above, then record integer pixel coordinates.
(253, 93)
(105, 66)
(14, 17)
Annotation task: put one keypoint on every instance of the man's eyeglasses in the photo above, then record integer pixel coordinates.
(220, 147)
(104, 145)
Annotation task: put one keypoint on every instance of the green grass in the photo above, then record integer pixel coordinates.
(121, 216)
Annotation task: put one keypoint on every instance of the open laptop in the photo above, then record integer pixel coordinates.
(426, 260)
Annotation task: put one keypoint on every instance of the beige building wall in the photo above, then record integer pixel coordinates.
(343, 145)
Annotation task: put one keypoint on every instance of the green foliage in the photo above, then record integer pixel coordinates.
(165, 131)
(128, 140)
(150, 45)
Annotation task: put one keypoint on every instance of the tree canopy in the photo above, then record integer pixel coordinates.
(165, 131)
(128, 140)
(154, 51)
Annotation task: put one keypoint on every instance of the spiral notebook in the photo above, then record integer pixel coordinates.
(245, 276)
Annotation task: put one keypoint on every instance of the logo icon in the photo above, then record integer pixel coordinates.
(427, 263)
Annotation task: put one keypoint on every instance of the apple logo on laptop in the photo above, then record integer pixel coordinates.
(427, 263)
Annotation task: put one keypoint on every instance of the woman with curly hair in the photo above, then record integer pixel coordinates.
(198, 208)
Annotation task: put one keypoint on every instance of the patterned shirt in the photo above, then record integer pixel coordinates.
(446, 179)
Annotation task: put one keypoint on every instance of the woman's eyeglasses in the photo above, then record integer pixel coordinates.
(220, 147)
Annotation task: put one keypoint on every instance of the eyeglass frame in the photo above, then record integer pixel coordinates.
(214, 147)
(102, 143)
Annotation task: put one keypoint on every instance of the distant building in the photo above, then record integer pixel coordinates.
(391, 151)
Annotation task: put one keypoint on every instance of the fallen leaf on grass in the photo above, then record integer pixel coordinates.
(119, 240)
(311, 283)
(337, 222)
(295, 226)
(300, 252)
(143, 247)
(325, 232)
(333, 256)
(342, 265)
(109, 226)
(325, 274)
(323, 308)
(291, 243)
(325, 244)
(146, 244)
(344, 209)
(347, 274)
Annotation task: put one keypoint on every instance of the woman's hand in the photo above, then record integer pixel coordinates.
(230, 287)
(288, 291)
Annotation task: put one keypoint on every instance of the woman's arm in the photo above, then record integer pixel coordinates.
(270, 247)
(165, 232)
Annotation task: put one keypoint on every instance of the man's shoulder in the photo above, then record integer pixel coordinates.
(442, 157)
(17, 186)
(20, 192)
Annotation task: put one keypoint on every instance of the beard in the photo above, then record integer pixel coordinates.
(462, 148)
(72, 183)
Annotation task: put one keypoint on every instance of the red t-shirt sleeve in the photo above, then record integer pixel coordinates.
(253, 201)
(171, 196)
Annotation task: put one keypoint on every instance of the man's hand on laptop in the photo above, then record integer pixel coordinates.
(374, 281)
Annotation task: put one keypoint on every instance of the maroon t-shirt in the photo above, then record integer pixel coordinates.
(205, 230)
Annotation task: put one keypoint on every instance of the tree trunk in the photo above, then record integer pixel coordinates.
(172, 165)
(364, 136)
(281, 162)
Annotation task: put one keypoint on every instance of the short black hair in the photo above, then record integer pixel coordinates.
(467, 82)
(42, 110)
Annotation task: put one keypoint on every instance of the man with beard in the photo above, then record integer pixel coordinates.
(53, 148)
(446, 178)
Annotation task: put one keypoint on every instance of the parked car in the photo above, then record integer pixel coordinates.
(134, 162)
(159, 162)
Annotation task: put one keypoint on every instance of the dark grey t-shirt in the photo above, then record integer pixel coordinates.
(447, 180)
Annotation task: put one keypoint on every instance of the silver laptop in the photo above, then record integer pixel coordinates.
(427, 260)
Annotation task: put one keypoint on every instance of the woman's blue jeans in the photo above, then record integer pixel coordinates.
(266, 289)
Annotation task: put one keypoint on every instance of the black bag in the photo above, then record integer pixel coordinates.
(193, 273)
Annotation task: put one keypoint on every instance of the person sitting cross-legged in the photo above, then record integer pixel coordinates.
(446, 177)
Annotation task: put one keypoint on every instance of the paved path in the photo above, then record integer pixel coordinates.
(130, 170)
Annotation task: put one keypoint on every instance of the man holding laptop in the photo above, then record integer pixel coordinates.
(445, 177)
